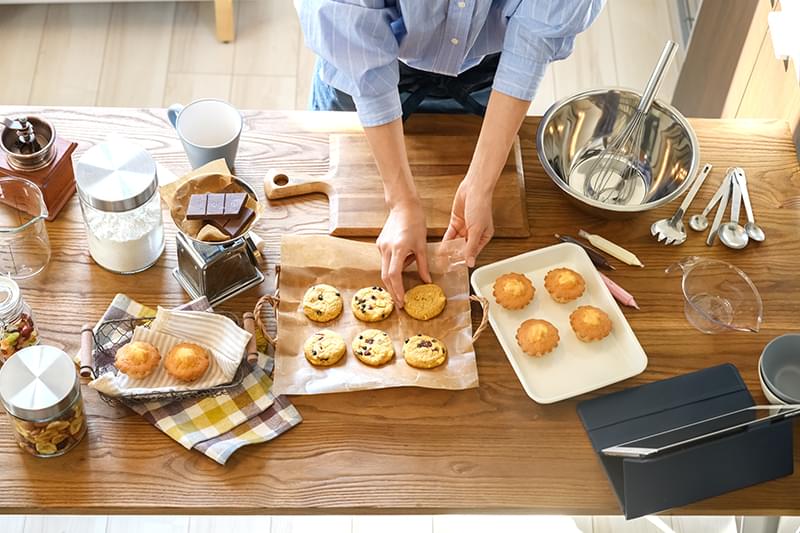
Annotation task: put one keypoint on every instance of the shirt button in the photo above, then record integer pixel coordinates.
(454, 40)
(462, 5)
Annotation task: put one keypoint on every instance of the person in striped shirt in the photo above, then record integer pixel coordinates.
(387, 59)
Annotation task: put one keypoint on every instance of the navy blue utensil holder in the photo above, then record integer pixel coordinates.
(672, 479)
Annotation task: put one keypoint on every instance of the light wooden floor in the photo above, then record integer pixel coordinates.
(155, 54)
(369, 524)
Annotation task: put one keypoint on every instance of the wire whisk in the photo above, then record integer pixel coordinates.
(615, 171)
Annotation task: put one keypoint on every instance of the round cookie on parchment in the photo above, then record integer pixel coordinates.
(425, 302)
(537, 337)
(372, 304)
(373, 347)
(324, 348)
(322, 303)
(513, 291)
(423, 351)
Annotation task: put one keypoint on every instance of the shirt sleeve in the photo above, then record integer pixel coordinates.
(539, 32)
(358, 50)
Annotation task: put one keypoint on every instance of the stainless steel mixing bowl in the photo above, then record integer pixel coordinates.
(575, 130)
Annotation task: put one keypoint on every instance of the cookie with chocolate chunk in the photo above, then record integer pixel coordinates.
(322, 303)
(423, 351)
(373, 347)
(372, 304)
(324, 348)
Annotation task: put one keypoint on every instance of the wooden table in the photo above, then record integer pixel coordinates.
(489, 449)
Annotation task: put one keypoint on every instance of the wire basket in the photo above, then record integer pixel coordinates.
(111, 335)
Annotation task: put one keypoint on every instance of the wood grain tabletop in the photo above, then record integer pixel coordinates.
(489, 449)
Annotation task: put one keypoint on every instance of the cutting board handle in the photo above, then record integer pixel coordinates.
(280, 184)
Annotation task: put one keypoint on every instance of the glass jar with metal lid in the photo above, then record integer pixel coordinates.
(118, 190)
(17, 329)
(41, 391)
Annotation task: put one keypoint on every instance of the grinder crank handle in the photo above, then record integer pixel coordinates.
(279, 184)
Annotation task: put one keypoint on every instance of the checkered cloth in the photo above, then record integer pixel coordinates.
(219, 425)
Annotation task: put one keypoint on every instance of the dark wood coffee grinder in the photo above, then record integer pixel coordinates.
(30, 148)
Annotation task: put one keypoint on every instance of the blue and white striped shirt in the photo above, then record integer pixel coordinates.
(360, 42)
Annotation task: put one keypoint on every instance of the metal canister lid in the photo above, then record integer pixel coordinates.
(116, 176)
(38, 383)
(10, 300)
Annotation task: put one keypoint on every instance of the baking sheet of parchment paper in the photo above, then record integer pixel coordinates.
(349, 265)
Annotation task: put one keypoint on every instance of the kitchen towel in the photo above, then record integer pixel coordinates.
(216, 426)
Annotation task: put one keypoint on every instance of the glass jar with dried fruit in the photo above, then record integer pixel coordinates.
(17, 329)
(41, 391)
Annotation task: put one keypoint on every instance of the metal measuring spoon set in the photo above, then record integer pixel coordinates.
(732, 234)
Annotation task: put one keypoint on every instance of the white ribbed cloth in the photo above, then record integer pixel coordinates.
(220, 335)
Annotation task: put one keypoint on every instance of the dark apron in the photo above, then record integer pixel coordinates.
(422, 91)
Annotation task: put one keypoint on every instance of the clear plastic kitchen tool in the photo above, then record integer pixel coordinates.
(718, 296)
(24, 245)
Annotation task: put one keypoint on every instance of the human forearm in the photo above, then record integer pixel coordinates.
(389, 150)
(503, 119)
(402, 239)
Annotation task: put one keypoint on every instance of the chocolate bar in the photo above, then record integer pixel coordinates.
(234, 202)
(215, 206)
(197, 207)
(233, 226)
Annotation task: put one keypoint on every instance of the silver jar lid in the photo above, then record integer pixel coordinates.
(38, 383)
(116, 176)
(10, 300)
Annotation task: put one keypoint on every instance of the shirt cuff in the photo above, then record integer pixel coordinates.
(378, 110)
(519, 76)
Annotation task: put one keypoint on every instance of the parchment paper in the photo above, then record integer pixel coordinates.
(214, 177)
(349, 266)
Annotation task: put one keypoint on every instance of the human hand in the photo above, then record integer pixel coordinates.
(401, 242)
(471, 218)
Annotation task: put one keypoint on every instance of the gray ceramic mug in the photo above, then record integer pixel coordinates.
(209, 130)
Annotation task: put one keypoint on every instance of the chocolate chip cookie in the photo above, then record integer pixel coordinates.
(322, 303)
(373, 347)
(324, 348)
(372, 304)
(422, 351)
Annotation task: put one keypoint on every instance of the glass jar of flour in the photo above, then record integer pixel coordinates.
(118, 190)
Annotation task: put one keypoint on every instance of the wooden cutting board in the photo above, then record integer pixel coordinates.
(438, 162)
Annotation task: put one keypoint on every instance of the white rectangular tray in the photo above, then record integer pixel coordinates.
(574, 367)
